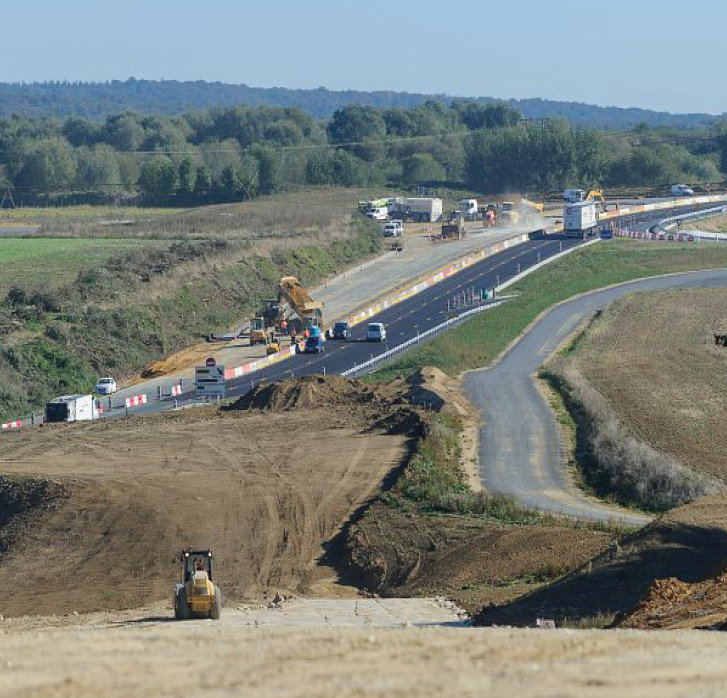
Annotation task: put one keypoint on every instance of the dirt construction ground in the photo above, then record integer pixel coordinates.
(123, 655)
(117, 500)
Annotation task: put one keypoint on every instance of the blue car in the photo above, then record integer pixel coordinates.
(314, 344)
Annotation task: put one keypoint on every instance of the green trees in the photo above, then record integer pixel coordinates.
(47, 164)
(158, 179)
(235, 153)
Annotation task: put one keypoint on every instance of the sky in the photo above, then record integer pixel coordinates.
(668, 55)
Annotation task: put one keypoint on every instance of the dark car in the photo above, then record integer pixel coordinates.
(341, 330)
(314, 344)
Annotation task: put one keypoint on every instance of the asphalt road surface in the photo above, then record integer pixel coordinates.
(521, 449)
(403, 321)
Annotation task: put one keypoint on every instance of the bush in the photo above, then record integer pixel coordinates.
(613, 461)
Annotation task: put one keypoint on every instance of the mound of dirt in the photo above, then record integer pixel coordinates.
(313, 391)
(688, 543)
(673, 604)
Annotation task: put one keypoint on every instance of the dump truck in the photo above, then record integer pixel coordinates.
(197, 596)
(292, 292)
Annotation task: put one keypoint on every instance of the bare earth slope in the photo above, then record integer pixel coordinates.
(689, 543)
(264, 489)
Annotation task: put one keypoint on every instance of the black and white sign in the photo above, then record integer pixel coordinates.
(209, 381)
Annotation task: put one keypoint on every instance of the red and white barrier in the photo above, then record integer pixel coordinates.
(15, 424)
(176, 390)
(135, 401)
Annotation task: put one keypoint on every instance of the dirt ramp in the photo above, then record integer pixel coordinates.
(265, 489)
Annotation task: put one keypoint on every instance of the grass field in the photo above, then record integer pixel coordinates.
(653, 357)
(56, 261)
(479, 342)
(314, 213)
(38, 214)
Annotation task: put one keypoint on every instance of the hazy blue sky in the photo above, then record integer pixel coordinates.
(668, 55)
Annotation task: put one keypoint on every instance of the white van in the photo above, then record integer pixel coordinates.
(681, 190)
(71, 408)
(376, 332)
(377, 213)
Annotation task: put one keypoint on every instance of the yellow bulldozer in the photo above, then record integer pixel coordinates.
(197, 596)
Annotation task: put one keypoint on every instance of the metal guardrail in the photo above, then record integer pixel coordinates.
(668, 223)
(377, 361)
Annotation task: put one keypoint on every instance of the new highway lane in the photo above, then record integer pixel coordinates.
(403, 321)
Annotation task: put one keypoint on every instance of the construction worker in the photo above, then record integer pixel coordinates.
(284, 326)
(198, 565)
(293, 335)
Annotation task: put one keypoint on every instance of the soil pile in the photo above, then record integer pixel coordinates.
(317, 391)
(673, 604)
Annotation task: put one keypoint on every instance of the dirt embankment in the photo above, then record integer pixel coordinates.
(265, 488)
(404, 547)
(689, 543)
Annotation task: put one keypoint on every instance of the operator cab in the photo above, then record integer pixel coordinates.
(196, 561)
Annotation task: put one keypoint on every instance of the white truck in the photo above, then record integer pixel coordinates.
(468, 209)
(422, 209)
(580, 219)
(71, 408)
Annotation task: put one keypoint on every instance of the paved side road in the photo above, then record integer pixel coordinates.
(521, 449)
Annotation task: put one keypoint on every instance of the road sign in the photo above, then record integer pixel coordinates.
(209, 380)
(210, 361)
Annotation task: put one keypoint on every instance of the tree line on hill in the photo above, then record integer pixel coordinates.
(238, 153)
(97, 100)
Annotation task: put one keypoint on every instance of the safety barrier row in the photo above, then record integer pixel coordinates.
(668, 237)
(135, 401)
(175, 390)
(14, 424)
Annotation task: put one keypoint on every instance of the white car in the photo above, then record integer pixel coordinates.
(106, 386)
(392, 229)
(681, 190)
(376, 332)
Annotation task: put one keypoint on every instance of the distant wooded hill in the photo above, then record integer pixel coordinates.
(100, 99)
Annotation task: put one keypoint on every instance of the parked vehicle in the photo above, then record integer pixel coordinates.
(341, 330)
(392, 229)
(376, 332)
(681, 190)
(314, 344)
(580, 219)
(573, 196)
(377, 213)
(71, 408)
(106, 386)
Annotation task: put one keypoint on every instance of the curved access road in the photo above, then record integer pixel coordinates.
(522, 453)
